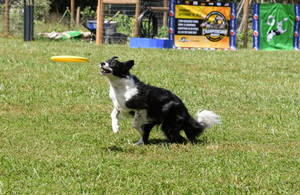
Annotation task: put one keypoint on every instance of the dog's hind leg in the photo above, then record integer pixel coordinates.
(174, 113)
(114, 119)
(172, 131)
(190, 135)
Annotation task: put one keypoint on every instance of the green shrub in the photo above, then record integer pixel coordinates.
(88, 14)
(125, 24)
(163, 32)
(41, 9)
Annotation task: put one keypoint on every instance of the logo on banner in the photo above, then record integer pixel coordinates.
(214, 26)
(278, 31)
(232, 16)
(171, 13)
(232, 32)
(184, 39)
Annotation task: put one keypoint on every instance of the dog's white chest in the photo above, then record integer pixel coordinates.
(121, 91)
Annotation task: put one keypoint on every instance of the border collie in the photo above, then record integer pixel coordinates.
(150, 106)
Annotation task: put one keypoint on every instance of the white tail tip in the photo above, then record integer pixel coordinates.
(208, 118)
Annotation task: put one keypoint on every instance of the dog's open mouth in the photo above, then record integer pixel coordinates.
(105, 71)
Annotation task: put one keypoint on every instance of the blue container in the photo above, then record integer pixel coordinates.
(92, 24)
(109, 28)
(150, 43)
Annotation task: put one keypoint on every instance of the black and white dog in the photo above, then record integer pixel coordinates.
(151, 106)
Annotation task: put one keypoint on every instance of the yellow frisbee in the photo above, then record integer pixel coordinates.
(68, 59)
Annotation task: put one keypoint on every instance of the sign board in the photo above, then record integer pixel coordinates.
(276, 26)
(198, 24)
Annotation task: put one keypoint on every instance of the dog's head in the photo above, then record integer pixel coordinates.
(113, 67)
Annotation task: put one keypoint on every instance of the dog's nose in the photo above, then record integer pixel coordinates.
(101, 64)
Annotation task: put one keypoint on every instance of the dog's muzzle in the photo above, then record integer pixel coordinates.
(105, 69)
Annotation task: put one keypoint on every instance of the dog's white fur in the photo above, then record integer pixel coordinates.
(120, 91)
(208, 118)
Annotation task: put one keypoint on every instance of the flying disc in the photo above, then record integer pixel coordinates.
(69, 59)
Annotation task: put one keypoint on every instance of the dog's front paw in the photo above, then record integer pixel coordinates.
(140, 142)
(115, 127)
(115, 130)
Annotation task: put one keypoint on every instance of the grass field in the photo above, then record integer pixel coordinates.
(56, 136)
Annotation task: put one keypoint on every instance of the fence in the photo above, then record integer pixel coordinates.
(11, 17)
(45, 22)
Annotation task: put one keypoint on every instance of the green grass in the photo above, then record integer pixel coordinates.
(56, 136)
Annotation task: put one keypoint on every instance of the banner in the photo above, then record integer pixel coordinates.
(276, 26)
(198, 24)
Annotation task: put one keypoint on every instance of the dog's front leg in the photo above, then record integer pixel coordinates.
(137, 124)
(144, 127)
(114, 119)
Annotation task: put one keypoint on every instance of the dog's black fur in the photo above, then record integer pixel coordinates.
(162, 106)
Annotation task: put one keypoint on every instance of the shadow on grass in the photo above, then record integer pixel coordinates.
(113, 149)
(158, 142)
(201, 141)
(164, 142)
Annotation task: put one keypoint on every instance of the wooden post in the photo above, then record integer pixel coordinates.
(246, 14)
(72, 7)
(6, 17)
(165, 17)
(137, 13)
(100, 23)
(78, 16)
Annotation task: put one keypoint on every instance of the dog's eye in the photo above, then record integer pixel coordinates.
(112, 64)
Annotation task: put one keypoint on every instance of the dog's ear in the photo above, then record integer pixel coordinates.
(129, 64)
(114, 57)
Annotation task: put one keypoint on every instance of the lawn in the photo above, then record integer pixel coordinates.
(56, 135)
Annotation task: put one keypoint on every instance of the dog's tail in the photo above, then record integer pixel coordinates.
(208, 118)
(204, 119)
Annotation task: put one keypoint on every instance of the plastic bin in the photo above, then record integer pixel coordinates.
(150, 43)
(109, 28)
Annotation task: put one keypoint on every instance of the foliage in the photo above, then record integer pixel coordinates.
(125, 24)
(60, 6)
(88, 14)
(16, 15)
(163, 32)
(56, 136)
(41, 9)
(240, 38)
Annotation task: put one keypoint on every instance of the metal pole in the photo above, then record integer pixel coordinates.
(26, 38)
(31, 11)
(28, 20)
